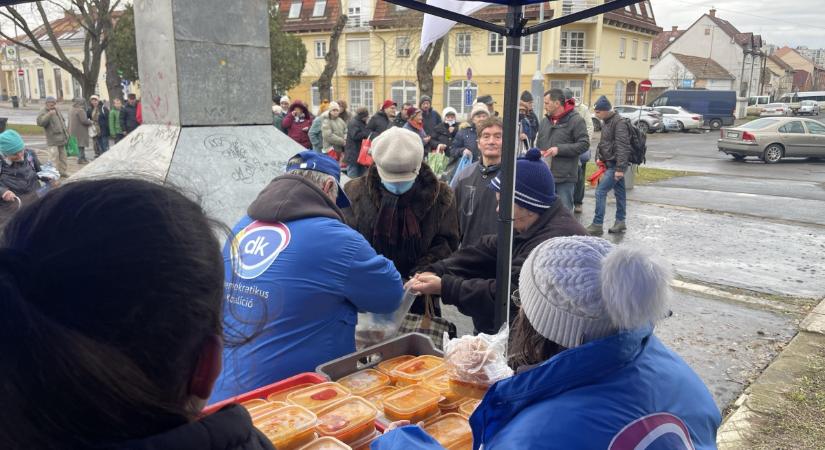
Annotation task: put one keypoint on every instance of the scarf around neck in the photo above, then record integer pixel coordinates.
(397, 234)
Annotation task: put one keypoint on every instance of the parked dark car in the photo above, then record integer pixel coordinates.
(718, 108)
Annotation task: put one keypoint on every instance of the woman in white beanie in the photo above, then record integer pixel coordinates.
(590, 373)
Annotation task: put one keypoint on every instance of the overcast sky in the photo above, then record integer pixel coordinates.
(780, 22)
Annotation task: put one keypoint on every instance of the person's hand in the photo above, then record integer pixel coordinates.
(9, 196)
(550, 152)
(441, 148)
(618, 175)
(468, 153)
(396, 424)
(295, 113)
(451, 129)
(427, 283)
(427, 139)
(522, 136)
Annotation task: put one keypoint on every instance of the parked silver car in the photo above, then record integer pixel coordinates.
(685, 120)
(772, 139)
(808, 107)
(649, 121)
(776, 110)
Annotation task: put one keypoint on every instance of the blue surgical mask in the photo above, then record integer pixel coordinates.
(399, 187)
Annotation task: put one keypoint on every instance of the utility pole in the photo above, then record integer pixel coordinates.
(20, 92)
(537, 84)
(446, 57)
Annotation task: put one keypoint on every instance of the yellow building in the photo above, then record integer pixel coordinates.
(605, 55)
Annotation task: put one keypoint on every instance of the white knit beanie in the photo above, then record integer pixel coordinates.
(334, 105)
(579, 289)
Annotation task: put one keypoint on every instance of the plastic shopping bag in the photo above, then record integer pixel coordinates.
(71, 147)
(462, 164)
(438, 163)
(373, 328)
(474, 363)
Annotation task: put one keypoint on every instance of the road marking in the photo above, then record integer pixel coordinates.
(748, 299)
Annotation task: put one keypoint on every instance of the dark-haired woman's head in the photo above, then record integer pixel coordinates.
(111, 297)
(578, 289)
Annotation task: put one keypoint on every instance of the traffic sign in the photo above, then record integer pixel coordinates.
(448, 74)
(645, 86)
(468, 97)
(20, 72)
(469, 73)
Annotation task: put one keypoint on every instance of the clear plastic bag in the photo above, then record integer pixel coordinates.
(478, 360)
(374, 328)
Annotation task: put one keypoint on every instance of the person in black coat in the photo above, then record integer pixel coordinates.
(99, 114)
(128, 115)
(431, 119)
(357, 131)
(446, 131)
(382, 120)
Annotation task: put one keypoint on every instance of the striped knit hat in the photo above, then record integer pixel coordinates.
(535, 187)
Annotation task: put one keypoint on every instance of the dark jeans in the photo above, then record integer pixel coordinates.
(608, 183)
(101, 145)
(564, 193)
(578, 196)
(81, 154)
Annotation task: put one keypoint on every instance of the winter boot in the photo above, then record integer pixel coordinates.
(595, 229)
(577, 209)
(618, 227)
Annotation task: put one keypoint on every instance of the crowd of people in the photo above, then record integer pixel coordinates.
(166, 321)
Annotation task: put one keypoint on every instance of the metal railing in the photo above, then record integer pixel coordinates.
(573, 6)
(575, 60)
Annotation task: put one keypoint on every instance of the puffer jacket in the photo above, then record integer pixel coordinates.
(466, 137)
(316, 136)
(626, 391)
(54, 125)
(298, 129)
(615, 142)
(379, 123)
(569, 134)
(334, 133)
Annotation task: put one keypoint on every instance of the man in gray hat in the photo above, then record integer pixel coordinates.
(54, 126)
(491, 104)
(431, 119)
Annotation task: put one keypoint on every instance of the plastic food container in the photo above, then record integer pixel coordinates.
(389, 365)
(347, 420)
(316, 397)
(280, 396)
(376, 397)
(364, 381)
(469, 390)
(417, 369)
(249, 404)
(449, 429)
(289, 427)
(414, 403)
(266, 407)
(326, 443)
(365, 442)
(468, 407)
(440, 382)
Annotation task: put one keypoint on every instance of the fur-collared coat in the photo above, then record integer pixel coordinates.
(434, 208)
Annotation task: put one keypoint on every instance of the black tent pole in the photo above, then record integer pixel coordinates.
(514, 25)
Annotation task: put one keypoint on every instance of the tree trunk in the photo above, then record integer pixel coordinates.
(324, 82)
(424, 66)
(113, 81)
(87, 84)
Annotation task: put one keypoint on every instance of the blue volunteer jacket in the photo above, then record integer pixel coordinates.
(623, 392)
(295, 279)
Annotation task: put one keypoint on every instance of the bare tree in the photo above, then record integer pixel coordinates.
(93, 16)
(424, 67)
(324, 82)
(676, 75)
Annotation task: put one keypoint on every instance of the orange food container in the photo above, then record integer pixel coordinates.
(466, 444)
(326, 443)
(280, 396)
(266, 407)
(468, 407)
(390, 364)
(364, 381)
(449, 429)
(318, 396)
(376, 397)
(469, 390)
(347, 420)
(414, 403)
(365, 442)
(416, 369)
(249, 404)
(289, 427)
(440, 382)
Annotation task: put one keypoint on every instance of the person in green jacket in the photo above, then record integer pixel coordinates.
(114, 120)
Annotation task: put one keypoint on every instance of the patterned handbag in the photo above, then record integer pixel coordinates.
(429, 324)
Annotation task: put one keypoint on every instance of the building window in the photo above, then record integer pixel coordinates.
(530, 44)
(618, 94)
(295, 9)
(634, 50)
(320, 49)
(463, 44)
(577, 86)
(318, 9)
(316, 97)
(402, 47)
(356, 13)
(496, 44)
(645, 50)
(358, 56)
(361, 94)
(707, 31)
(456, 92)
(622, 47)
(404, 92)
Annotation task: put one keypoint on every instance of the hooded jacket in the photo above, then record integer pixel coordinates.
(378, 124)
(442, 133)
(569, 134)
(128, 117)
(356, 132)
(468, 278)
(611, 394)
(434, 207)
(466, 137)
(298, 129)
(614, 145)
(228, 429)
(334, 133)
(297, 297)
(476, 202)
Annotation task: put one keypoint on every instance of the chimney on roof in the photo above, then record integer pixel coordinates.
(712, 12)
(675, 28)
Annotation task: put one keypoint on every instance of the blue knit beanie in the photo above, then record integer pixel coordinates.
(10, 143)
(603, 104)
(535, 187)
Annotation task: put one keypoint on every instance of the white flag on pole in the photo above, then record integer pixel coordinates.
(436, 27)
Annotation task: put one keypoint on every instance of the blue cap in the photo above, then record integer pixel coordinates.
(324, 164)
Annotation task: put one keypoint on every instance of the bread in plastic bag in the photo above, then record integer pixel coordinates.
(474, 363)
